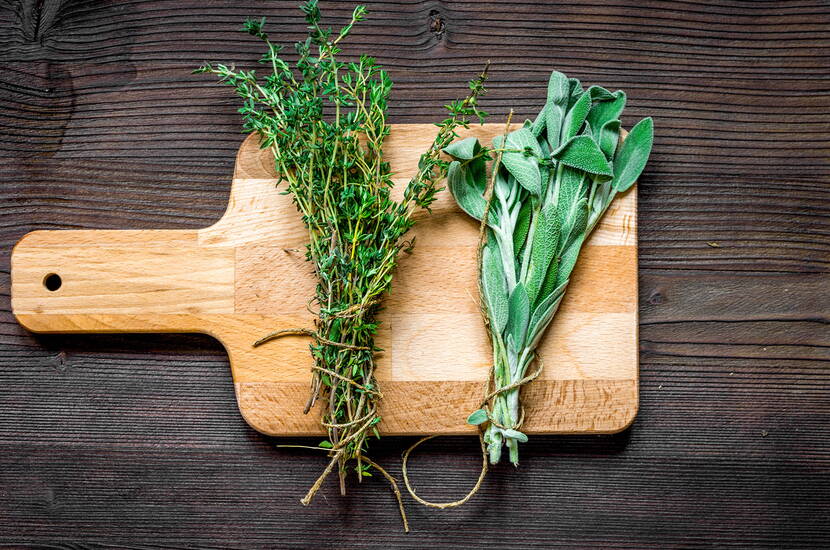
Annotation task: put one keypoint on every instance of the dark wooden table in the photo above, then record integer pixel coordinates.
(113, 441)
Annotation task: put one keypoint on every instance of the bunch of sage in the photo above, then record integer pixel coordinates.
(552, 181)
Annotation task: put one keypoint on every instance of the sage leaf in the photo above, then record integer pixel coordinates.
(477, 417)
(544, 148)
(579, 220)
(570, 188)
(602, 194)
(559, 271)
(519, 314)
(598, 93)
(558, 95)
(469, 151)
(524, 168)
(545, 301)
(468, 198)
(568, 260)
(544, 247)
(504, 182)
(609, 136)
(522, 226)
(576, 117)
(546, 169)
(494, 285)
(631, 159)
(543, 314)
(515, 434)
(575, 87)
(523, 139)
(494, 447)
(570, 252)
(464, 149)
(559, 87)
(538, 125)
(477, 173)
(551, 280)
(511, 343)
(583, 153)
(603, 111)
(512, 446)
(571, 246)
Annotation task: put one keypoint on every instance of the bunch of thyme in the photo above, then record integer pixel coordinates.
(552, 181)
(325, 121)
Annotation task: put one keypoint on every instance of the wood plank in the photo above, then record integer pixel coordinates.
(123, 278)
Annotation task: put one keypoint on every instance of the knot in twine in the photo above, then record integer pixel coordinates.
(366, 421)
(486, 406)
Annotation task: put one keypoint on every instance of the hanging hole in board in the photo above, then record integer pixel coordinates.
(52, 282)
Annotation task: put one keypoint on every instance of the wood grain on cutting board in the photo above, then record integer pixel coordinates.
(246, 276)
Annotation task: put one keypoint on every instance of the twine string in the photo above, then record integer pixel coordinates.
(365, 422)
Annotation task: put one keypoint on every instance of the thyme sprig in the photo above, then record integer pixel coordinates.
(325, 122)
(557, 177)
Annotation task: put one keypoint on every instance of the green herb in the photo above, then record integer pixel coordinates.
(325, 121)
(556, 178)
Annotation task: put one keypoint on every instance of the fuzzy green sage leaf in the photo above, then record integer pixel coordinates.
(521, 157)
(631, 159)
(583, 153)
(477, 417)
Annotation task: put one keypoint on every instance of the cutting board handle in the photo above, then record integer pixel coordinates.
(61, 277)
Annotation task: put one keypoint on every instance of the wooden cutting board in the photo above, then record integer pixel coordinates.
(246, 276)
